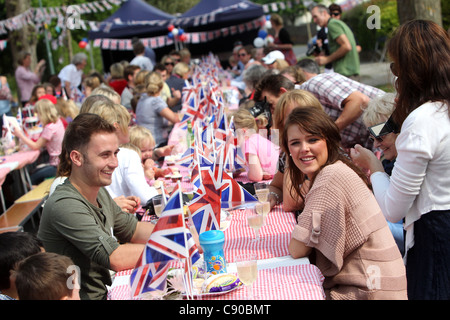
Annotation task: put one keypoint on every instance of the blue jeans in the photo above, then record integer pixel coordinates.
(41, 174)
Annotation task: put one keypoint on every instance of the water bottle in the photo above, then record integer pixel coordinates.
(212, 244)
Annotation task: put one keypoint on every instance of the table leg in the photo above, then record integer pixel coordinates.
(2, 198)
(27, 175)
(22, 177)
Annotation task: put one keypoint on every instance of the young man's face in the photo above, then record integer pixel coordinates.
(99, 159)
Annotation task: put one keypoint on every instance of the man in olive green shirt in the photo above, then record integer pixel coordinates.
(341, 41)
(80, 219)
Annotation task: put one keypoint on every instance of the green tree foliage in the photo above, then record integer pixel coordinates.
(61, 55)
(174, 6)
(290, 12)
(445, 10)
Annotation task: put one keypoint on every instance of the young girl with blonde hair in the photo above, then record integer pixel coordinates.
(50, 138)
(260, 153)
(143, 139)
(152, 112)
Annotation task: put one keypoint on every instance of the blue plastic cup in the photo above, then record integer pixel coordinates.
(212, 242)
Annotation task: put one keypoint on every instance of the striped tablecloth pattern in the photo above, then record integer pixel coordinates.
(274, 236)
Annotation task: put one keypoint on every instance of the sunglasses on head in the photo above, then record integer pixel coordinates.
(379, 130)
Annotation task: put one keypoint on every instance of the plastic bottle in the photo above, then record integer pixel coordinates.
(212, 242)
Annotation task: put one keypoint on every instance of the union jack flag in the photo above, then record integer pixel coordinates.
(187, 159)
(232, 193)
(205, 206)
(234, 157)
(169, 240)
(220, 126)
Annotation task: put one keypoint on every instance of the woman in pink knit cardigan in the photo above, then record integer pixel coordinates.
(341, 228)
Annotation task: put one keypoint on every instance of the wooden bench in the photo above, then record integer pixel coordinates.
(40, 192)
(20, 213)
(25, 207)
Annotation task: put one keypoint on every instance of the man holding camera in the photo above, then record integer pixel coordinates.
(341, 42)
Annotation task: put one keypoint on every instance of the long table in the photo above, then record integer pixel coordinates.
(17, 161)
(279, 276)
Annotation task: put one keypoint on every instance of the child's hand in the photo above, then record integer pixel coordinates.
(165, 151)
(149, 169)
(148, 163)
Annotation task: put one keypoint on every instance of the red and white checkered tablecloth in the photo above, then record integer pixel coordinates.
(299, 282)
(296, 282)
(274, 236)
(278, 281)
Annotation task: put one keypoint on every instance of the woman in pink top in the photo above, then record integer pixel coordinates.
(26, 78)
(261, 154)
(51, 137)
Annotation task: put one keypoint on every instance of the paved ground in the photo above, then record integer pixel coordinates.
(372, 73)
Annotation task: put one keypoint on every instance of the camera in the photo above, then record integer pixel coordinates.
(262, 107)
(314, 49)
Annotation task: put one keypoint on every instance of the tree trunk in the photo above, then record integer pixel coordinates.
(419, 9)
(24, 39)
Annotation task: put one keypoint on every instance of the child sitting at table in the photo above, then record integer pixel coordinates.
(50, 138)
(142, 138)
(47, 276)
(261, 154)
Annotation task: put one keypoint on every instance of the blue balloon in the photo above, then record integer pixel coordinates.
(180, 31)
(262, 33)
(85, 39)
(170, 35)
(268, 17)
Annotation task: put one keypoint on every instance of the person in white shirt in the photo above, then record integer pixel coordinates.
(72, 75)
(140, 59)
(129, 178)
(418, 189)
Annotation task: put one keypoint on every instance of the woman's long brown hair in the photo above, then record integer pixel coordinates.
(420, 51)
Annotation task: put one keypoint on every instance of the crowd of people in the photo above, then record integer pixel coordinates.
(356, 165)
